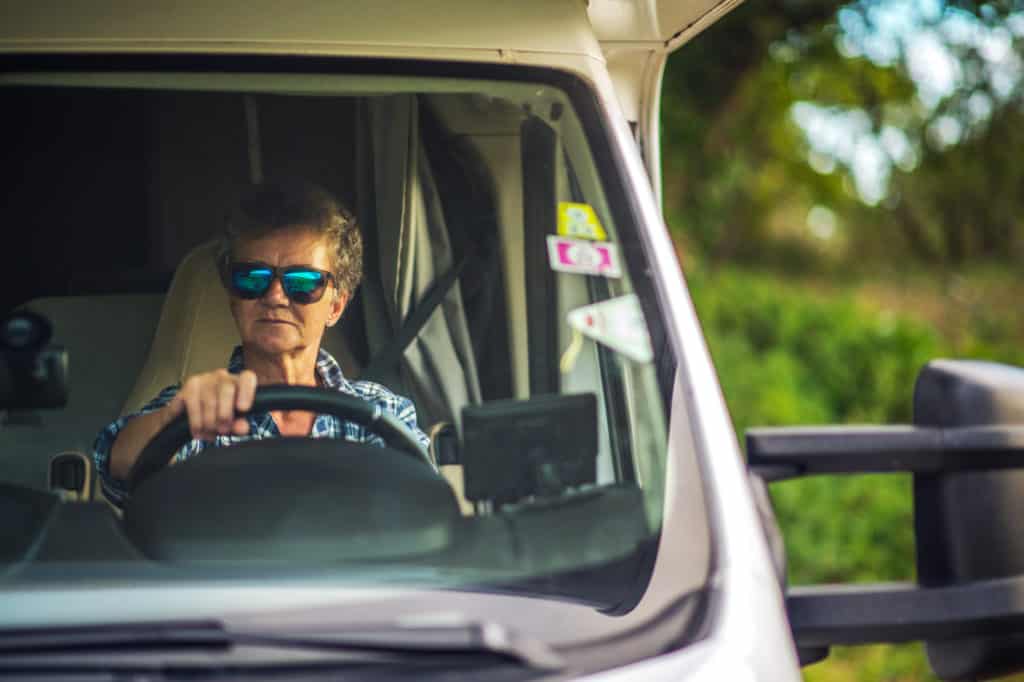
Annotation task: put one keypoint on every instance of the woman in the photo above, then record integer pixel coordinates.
(290, 259)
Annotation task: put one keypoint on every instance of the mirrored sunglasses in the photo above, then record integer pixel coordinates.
(301, 284)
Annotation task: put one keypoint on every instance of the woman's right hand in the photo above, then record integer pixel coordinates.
(212, 401)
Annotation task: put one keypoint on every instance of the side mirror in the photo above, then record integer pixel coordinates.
(966, 523)
(33, 373)
(966, 451)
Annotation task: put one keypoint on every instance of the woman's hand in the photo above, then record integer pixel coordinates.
(212, 401)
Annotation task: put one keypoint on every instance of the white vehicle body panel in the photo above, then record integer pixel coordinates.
(636, 38)
(490, 32)
(619, 51)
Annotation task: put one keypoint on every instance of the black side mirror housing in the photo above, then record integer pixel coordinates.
(966, 523)
(966, 452)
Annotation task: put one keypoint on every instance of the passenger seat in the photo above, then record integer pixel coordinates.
(107, 339)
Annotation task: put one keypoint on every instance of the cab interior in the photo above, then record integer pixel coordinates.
(115, 197)
(114, 192)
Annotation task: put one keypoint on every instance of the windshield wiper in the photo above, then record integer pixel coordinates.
(199, 645)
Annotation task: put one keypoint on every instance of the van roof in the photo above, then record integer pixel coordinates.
(445, 29)
(440, 29)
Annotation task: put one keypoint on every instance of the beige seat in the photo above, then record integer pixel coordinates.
(107, 338)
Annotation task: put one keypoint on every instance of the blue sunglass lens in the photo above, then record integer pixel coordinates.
(254, 282)
(302, 282)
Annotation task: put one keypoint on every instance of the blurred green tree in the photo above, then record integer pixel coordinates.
(860, 138)
(814, 135)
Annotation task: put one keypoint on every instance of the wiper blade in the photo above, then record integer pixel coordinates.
(217, 645)
(188, 635)
(469, 638)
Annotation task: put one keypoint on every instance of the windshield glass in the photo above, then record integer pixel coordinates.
(496, 319)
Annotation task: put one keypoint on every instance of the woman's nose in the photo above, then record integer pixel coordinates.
(275, 294)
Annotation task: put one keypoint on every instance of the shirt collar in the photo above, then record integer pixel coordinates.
(327, 368)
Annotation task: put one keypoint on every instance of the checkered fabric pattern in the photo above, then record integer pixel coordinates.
(262, 425)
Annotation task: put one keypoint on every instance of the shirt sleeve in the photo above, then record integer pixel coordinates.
(114, 488)
(398, 405)
(404, 409)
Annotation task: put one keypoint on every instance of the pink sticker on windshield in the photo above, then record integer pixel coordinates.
(583, 257)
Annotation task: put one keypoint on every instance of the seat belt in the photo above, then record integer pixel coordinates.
(539, 143)
(385, 364)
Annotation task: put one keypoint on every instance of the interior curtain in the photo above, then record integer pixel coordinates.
(411, 249)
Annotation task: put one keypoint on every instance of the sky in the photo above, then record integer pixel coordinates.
(922, 30)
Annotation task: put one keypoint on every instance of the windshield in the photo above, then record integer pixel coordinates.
(498, 298)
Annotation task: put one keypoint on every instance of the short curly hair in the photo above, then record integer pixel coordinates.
(281, 204)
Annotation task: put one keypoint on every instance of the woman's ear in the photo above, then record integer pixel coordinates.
(337, 308)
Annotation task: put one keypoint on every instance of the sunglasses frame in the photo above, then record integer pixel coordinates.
(227, 269)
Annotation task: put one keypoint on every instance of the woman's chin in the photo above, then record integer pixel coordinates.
(274, 342)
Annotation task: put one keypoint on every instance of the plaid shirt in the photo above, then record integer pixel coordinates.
(262, 425)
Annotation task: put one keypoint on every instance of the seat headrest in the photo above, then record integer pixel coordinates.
(196, 332)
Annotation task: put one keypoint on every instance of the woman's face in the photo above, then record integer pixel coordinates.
(273, 324)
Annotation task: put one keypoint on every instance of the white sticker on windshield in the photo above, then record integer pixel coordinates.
(583, 257)
(617, 323)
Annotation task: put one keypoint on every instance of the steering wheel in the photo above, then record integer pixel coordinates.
(158, 452)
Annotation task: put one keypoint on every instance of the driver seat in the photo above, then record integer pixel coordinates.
(196, 333)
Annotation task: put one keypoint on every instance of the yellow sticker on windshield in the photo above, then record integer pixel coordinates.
(579, 221)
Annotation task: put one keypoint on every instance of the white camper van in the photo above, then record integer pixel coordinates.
(568, 500)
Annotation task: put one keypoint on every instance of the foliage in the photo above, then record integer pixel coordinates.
(822, 293)
(965, 201)
(741, 175)
(793, 351)
(820, 359)
(785, 357)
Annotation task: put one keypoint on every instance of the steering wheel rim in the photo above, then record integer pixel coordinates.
(158, 452)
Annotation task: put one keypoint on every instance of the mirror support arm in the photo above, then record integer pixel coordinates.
(782, 453)
(823, 615)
